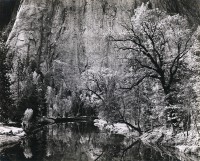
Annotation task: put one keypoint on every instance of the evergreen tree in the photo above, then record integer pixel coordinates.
(5, 94)
(32, 96)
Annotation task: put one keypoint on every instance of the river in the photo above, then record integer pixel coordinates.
(81, 142)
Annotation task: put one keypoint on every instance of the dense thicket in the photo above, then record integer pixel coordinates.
(6, 103)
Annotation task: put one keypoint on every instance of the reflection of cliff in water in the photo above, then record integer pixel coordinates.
(81, 142)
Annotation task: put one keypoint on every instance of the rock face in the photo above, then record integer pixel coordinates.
(8, 11)
(62, 38)
(9, 135)
(188, 8)
(66, 35)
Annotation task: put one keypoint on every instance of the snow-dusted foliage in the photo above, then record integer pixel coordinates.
(159, 44)
(155, 75)
(155, 84)
(101, 86)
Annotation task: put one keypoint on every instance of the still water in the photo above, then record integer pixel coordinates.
(81, 142)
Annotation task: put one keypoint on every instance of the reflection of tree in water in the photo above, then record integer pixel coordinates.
(111, 147)
(82, 142)
(133, 150)
(63, 142)
(34, 146)
(137, 151)
(27, 149)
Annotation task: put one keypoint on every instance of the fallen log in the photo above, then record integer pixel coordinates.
(75, 119)
(45, 121)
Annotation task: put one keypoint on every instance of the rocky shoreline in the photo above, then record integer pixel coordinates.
(10, 135)
(185, 145)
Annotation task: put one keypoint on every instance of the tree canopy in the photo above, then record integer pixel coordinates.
(158, 44)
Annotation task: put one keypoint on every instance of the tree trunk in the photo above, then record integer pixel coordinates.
(138, 129)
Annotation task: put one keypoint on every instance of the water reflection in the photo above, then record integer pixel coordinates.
(81, 142)
(27, 149)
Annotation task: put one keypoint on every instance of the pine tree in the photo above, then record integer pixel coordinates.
(5, 94)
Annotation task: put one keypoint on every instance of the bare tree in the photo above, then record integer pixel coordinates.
(159, 44)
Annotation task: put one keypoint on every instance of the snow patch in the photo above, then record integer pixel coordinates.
(10, 135)
(115, 128)
(10, 130)
(7, 130)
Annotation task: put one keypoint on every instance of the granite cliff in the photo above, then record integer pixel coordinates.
(60, 39)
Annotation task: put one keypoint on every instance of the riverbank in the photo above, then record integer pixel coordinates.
(115, 128)
(184, 143)
(10, 135)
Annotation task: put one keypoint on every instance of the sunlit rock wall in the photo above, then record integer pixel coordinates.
(61, 38)
(66, 33)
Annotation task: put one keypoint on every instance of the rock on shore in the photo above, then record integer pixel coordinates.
(10, 135)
